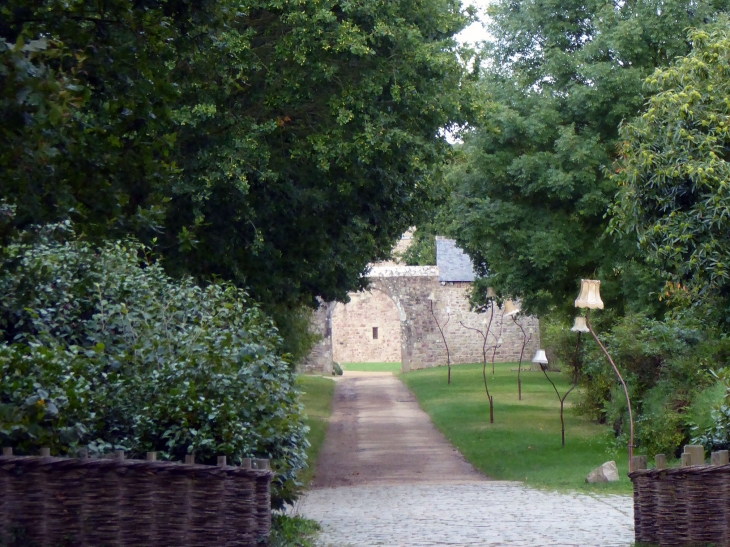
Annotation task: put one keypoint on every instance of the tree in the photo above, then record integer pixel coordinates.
(281, 146)
(675, 167)
(532, 190)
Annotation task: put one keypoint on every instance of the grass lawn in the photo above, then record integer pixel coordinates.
(316, 397)
(524, 442)
(372, 367)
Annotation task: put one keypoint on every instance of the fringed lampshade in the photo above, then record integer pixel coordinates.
(590, 295)
(580, 325)
(491, 293)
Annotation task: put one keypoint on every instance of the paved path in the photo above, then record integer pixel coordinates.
(387, 477)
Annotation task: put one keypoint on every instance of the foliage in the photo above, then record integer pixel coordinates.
(665, 364)
(674, 171)
(716, 435)
(36, 106)
(281, 146)
(531, 192)
(422, 250)
(294, 531)
(336, 369)
(100, 348)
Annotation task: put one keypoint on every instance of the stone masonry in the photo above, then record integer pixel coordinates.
(347, 330)
(367, 329)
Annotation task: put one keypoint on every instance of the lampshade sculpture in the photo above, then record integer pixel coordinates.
(580, 325)
(590, 295)
(510, 309)
(491, 293)
(540, 358)
(590, 299)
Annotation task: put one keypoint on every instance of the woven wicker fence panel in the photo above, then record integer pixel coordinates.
(688, 506)
(51, 502)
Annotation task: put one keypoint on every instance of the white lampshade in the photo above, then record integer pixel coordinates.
(491, 293)
(590, 295)
(485, 322)
(540, 357)
(448, 310)
(500, 341)
(580, 325)
(510, 309)
(432, 296)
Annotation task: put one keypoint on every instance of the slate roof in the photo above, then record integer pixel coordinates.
(453, 264)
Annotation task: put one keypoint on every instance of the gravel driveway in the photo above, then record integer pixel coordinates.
(387, 477)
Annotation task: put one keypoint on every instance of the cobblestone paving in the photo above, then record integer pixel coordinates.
(471, 514)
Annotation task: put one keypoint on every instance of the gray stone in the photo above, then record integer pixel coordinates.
(608, 472)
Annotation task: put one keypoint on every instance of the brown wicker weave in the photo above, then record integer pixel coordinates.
(132, 503)
(687, 506)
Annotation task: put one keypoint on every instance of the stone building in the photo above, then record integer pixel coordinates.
(393, 321)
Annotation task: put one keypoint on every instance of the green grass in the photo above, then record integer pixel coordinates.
(524, 442)
(372, 367)
(316, 397)
(294, 531)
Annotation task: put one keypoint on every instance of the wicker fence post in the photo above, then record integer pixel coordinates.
(638, 463)
(720, 458)
(263, 498)
(696, 452)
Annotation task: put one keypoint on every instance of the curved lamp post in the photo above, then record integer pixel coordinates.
(590, 299)
(432, 299)
(485, 335)
(511, 310)
(541, 359)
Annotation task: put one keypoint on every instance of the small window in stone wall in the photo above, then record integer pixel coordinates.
(375, 333)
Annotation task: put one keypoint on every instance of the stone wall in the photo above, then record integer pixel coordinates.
(465, 345)
(320, 359)
(352, 329)
(421, 346)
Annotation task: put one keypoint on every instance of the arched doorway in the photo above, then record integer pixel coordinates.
(366, 330)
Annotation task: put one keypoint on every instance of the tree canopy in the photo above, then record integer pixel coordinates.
(532, 190)
(675, 166)
(279, 145)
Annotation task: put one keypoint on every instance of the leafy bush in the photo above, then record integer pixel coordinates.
(716, 435)
(666, 365)
(102, 349)
(336, 369)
